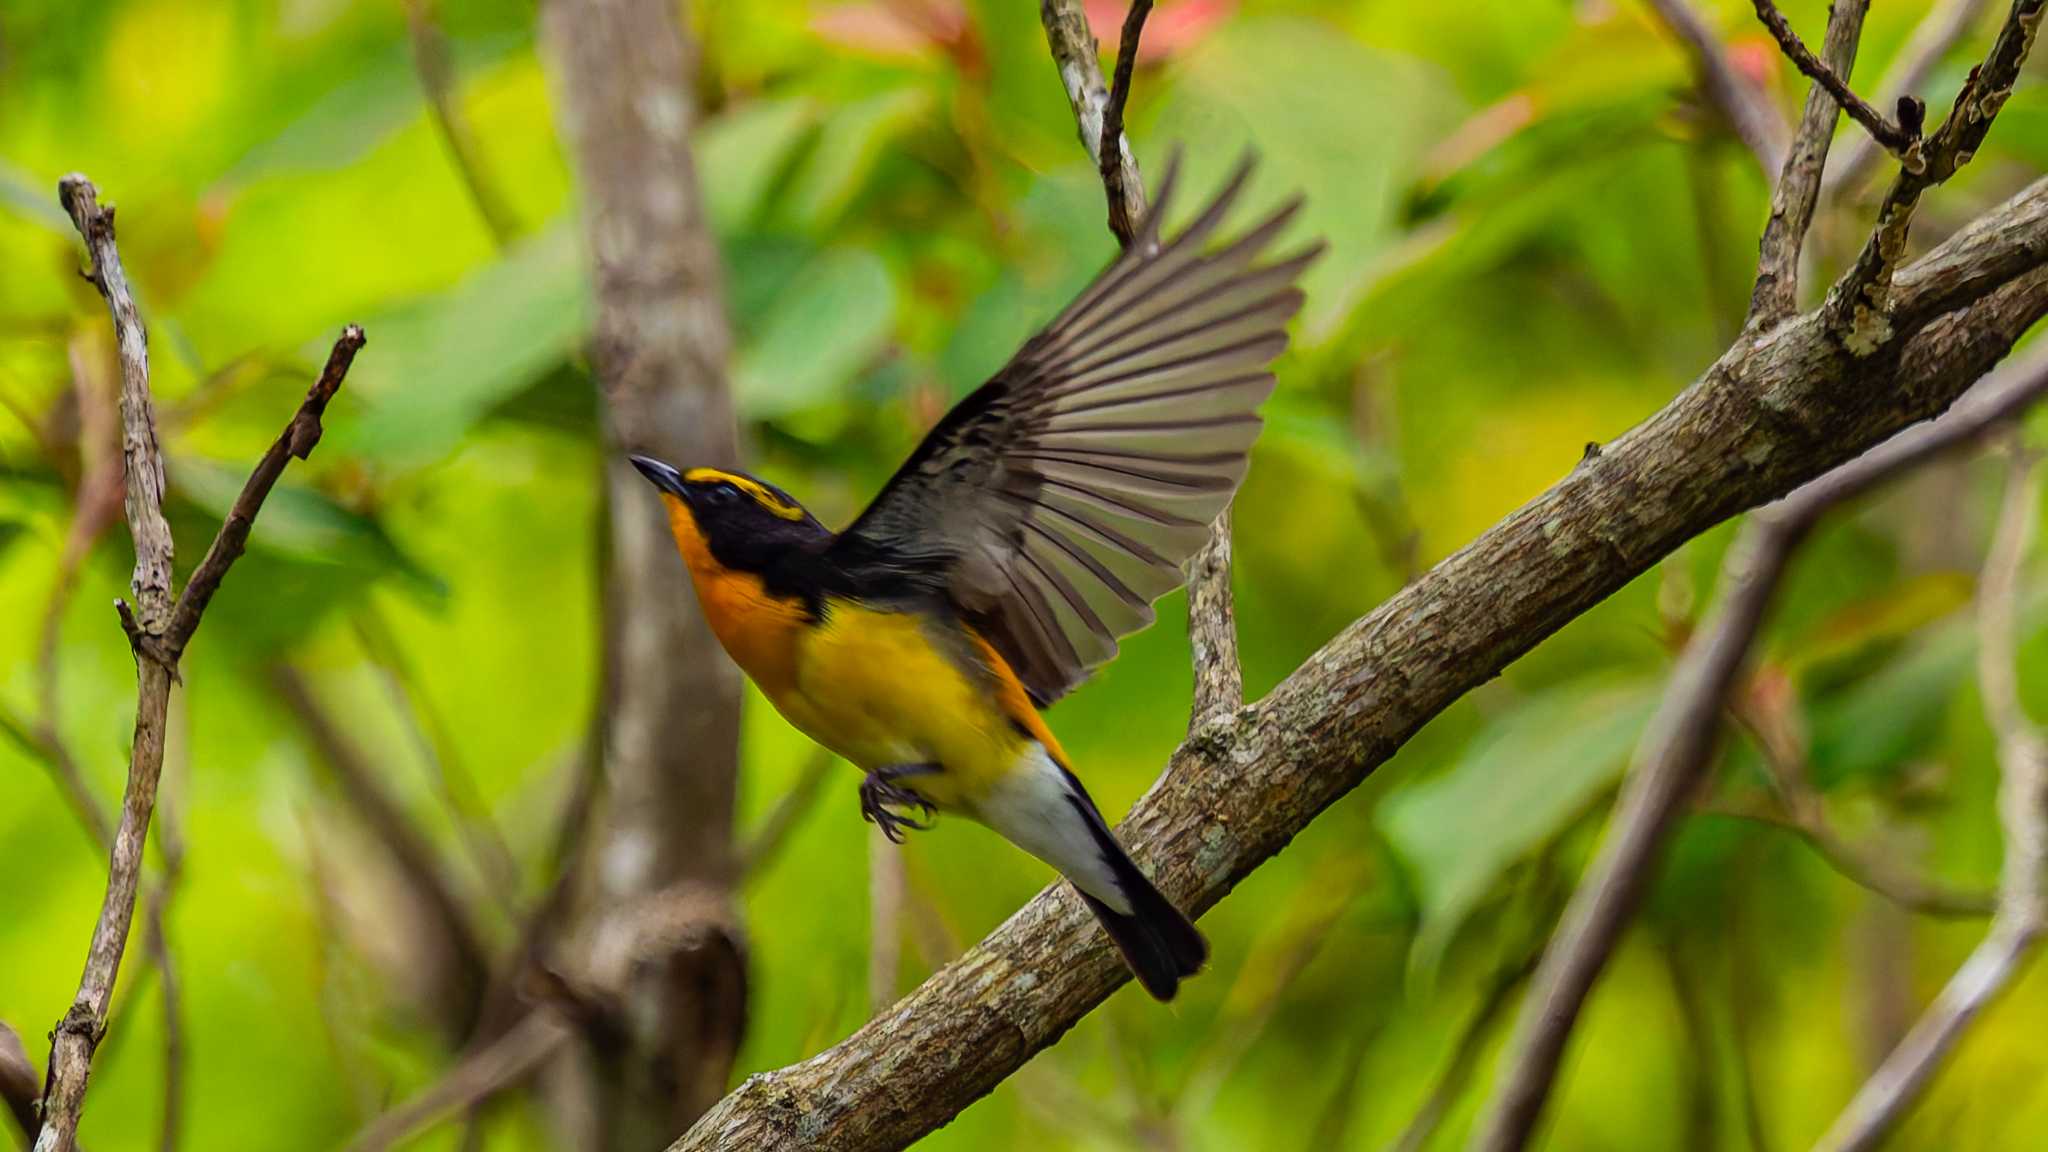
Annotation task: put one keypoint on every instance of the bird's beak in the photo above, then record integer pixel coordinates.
(664, 477)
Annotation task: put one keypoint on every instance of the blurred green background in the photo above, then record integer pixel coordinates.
(1537, 236)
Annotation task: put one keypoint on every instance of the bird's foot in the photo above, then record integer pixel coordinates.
(881, 798)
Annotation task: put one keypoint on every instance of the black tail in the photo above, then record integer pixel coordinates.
(1159, 943)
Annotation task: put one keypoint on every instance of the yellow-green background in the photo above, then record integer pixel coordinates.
(1536, 238)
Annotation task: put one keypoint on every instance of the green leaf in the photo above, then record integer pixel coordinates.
(1522, 781)
(435, 369)
(831, 322)
(298, 523)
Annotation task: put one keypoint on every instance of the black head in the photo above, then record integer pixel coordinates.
(743, 522)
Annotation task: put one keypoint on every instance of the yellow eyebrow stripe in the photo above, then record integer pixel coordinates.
(761, 495)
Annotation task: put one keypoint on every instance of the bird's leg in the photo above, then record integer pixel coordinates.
(880, 795)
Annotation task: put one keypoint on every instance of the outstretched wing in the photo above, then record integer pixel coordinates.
(1060, 498)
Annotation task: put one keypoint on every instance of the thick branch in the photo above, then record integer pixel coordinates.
(1776, 294)
(1074, 51)
(671, 697)
(1775, 411)
(156, 632)
(2023, 813)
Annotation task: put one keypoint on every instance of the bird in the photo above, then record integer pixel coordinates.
(1030, 530)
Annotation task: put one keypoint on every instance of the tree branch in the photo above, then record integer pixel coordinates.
(1074, 51)
(1123, 204)
(20, 1087)
(2023, 812)
(671, 696)
(1902, 139)
(158, 631)
(1776, 410)
(1776, 295)
(1932, 39)
(1749, 112)
(1861, 306)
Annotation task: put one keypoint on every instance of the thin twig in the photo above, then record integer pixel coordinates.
(1932, 40)
(1112, 163)
(1074, 52)
(478, 1077)
(1860, 306)
(1776, 295)
(297, 440)
(1901, 139)
(1749, 112)
(158, 629)
(20, 1087)
(2023, 812)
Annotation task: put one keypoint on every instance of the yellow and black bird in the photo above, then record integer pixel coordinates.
(1031, 529)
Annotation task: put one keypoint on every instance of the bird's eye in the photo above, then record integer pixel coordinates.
(723, 493)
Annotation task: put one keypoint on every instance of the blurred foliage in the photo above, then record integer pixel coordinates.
(1537, 235)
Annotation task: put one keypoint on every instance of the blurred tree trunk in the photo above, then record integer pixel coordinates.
(671, 698)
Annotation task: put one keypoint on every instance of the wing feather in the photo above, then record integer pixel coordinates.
(1056, 502)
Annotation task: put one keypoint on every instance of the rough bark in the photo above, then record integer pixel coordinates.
(671, 696)
(1777, 409)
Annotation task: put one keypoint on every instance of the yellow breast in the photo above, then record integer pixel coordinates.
(883, 688)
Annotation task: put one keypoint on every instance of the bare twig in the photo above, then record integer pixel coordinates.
(2023, 812)
(1747, 109)
(1113, 163)
(20, 1087)
(1074, 51)
(1902, 139)
(1861, 306)
(436, 68)
(297, 440)
(1776, 294)
(158, 630)
(1932, 39)
(479, 1076)
(1676, 747)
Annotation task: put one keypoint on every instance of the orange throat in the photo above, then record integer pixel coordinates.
(759, 630)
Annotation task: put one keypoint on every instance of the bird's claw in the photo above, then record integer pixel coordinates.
(880, 797)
